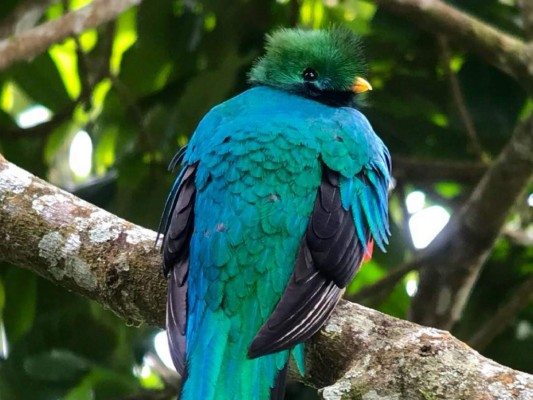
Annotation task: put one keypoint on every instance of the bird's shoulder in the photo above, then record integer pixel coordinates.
(341, 136)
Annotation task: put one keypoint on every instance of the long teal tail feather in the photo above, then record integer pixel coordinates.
(219, 369)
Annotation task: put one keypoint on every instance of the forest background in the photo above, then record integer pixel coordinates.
(96, 97)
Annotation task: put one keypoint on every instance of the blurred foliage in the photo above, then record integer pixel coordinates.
(139, 86)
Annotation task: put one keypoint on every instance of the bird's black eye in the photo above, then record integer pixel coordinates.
(310, 75)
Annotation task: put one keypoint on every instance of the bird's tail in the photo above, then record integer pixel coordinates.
(219, 369)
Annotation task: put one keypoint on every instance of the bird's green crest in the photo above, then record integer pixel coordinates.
(320, 64)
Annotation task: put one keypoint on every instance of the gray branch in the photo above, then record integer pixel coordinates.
(461, 249)
(79, 246)
(428, 171)
(33, 42)
(380, 357)
(23, 17)
(526, 10)
(502, 50)
(520, 299)
(360, 354)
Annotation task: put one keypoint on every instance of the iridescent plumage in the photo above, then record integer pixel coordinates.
(282, 190)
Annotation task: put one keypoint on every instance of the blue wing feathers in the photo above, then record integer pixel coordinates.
(366, 196)
(363, 166)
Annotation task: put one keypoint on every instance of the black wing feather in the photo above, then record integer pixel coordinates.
(180, 227)
(177, 315)
(176, 265)
(328, 258)
(278, 391)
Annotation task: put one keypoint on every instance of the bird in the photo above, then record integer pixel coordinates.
(281, 195)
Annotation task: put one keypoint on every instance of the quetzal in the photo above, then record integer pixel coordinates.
(282, 193)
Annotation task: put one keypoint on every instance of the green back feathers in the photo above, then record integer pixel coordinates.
(334, 54)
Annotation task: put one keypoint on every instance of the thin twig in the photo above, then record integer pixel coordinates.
(519, 237)
(417, 170)
(458, 99)
(506, 314)
(390, 280)
(101, 62)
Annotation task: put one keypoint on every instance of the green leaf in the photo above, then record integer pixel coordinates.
(397, 303)
(369, 273)
(125, 37)
(20, 304)
(57, 141)
(5, 389)
(448, 189)
(41, 80)
(104, 155)
(84, 391)
(493, 114)
(14, 100)
(110, 385)
(66, 61)
(56, 365)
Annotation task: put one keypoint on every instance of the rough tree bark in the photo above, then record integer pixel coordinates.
(83, 248)
(360, 353)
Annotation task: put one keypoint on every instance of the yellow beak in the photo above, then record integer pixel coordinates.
(360, 85)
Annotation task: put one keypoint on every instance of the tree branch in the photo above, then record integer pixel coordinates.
(31, 43)
(526, 9)
(79, 246)
(519, 237)
(461, 248)
(416, 170)
(389, 281)
(458, 99)
(23, 17)
(360, 353)
(504, 51)
(380, 357)
(520, 299)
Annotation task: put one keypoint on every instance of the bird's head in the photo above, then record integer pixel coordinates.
(323, 65)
